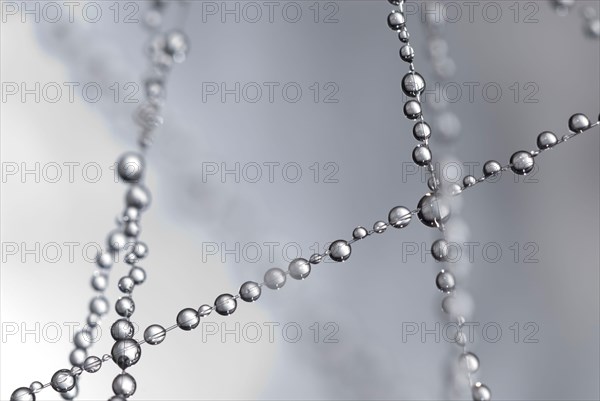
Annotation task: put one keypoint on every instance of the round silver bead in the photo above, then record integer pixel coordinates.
(131, 214)
(93, 320)
(407, 53)
(413, 84)
(469, 181)
(116, 240)
(92, 364)
(155, 334)
(481, 392)
(578, 122)
(522, 162)
(62, 381)
(421, 155)
(121, 329)
(250, 291)
(99, 305)
(359, 233)
(379, 227)
(592, 28)
(71, 394)
(433, 210)
(546, 140)
(433, 183)
(491, 167)
(404, 35)
(469, 362)
(299, 268)
(125, 306)
(340, 250)
(131, 167)
(104, 260)
(187, 319)
(396, 20)
(275, 278)
(131, 229)
(399, 217)
(36, 386)
(439, 250)
(126, 284)
(83, 339)
(225, 304)
(315, 258)
(421, 131)
(22, 394)
(77, 357)
(137, 274)
(99, 282)
(204, 310)
(140, 249)
(445, 281)
(126, 353)
(177, 45)
(124, 385)
(413, 110)
(138, 197)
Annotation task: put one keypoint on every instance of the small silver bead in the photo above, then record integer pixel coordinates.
(104, 260)
(121, 329)
(592, 28)
(126, 353)
(99, 281)
(126, 284)
(36, 386)
(340, 250)
(92, 364)
(433, 183)
(579, 122)
(177, 45)
(99, 305)
(77, 356)
(71, 394)
(315, 258)
(396, 20)
(522, 162)
(445, 281)
(421, 155)
(546, 140)
(124, 385)
(204, 310)
(62, 381)
(187, 319)
(379, 227)
(491, 167)
(469, 362)
(83, 339)
(299, 268)
(403, 35)
(469, 181)
(421, 131)
(413, 110)
(399, 217)
(138, 197)
(413, 84)
(131, 214)
(481, 392)
(131, 229)
(433, 210)
(93, 320)
(22, 394)
(137, 274)
(116, 240)
(125, 306)
(131, 167)
(140, 249)
(225, 304)
(439, 250)
(155, 334)
(407, 53)
(359, 233)
(250, 291)
(275, 278)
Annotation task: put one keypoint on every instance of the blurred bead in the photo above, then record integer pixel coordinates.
(250, 291)
(413, 84)
(491, 167)
(104, 260)
(131, 214)
(121, 329)
(131, 167)
(22, 394)
(399, 217)
(177, 46)
(62, 381)
(131, 229)
(578, 123)
(36, 386)
(131, 259)
(116, 240)
(379, 227)
(481, 392)
(433, 210)
(433, 183)
(445, 281)
(124, 385)
(140, 249)
(225, 304)
(126, 284)
(99, 282)
(155, 334)
(421, 131)
(469, 362)
(589, 13)
(403, 35)
(77, 356)
(187, 319)
(469, 180)
(359, 233)
(275, 278)
(340, 250)
(439, 250)
(460, 338)
(155, 90)
(447, 127)
(93, 320)
(92, 364)
(138, 196)
(99, 305)
(315, 258)
(452, 189)
(126, 353)
(125, 306)
(299, 268)
(546, 140)
(71, 394)
(592, 28)
(421, 155)
(204, 310)
(412, 110)
(521, 162)
(407, 53)
(137, 274)
(396, 20)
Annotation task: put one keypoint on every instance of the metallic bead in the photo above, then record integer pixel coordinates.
(421, 155)
(481, 392)
(77, 357)
(22, 394)
(546, 140)
(126, 353)
(396, 20)
(131, 229)
(204, 310)
(403, 35)
(137, 274)
(116, 240)
(359, 233)
(579, 122)
(452, 189)
(225, 304)
(469, 181)
(413, 110)
(379, 227)
(315, 258)
(36, 386)
(83, 339)
(413, 84)
(99, 281)
(131, 167)
(445, 281)
(275, 278)
(407, 53)
(187, 319)
(521, 162)
(177, 45)
(131, 259)
(104, 260)
(138, 196)
(140, 249)
(592, 28)
(126, 284)
(124, 385)
(461, 338)
(433, 183)
(399, 217)
(433, 210)
(99, 305)
(121, 329)
(155, 334)
(491, 167)
(93, 320)
(299, 268)
(71, 394)
(131, 214)
(125, 306)
(469, 362)
(250, 291)
(340, 250)
(439, 250)
(421, 131)
(92, 364)
(62, 381)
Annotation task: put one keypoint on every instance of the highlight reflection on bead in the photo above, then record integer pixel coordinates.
(340, 250)
(155, 334)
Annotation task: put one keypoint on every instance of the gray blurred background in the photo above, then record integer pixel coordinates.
(353, 316)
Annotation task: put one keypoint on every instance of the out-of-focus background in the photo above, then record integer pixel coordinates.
(283, 131)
